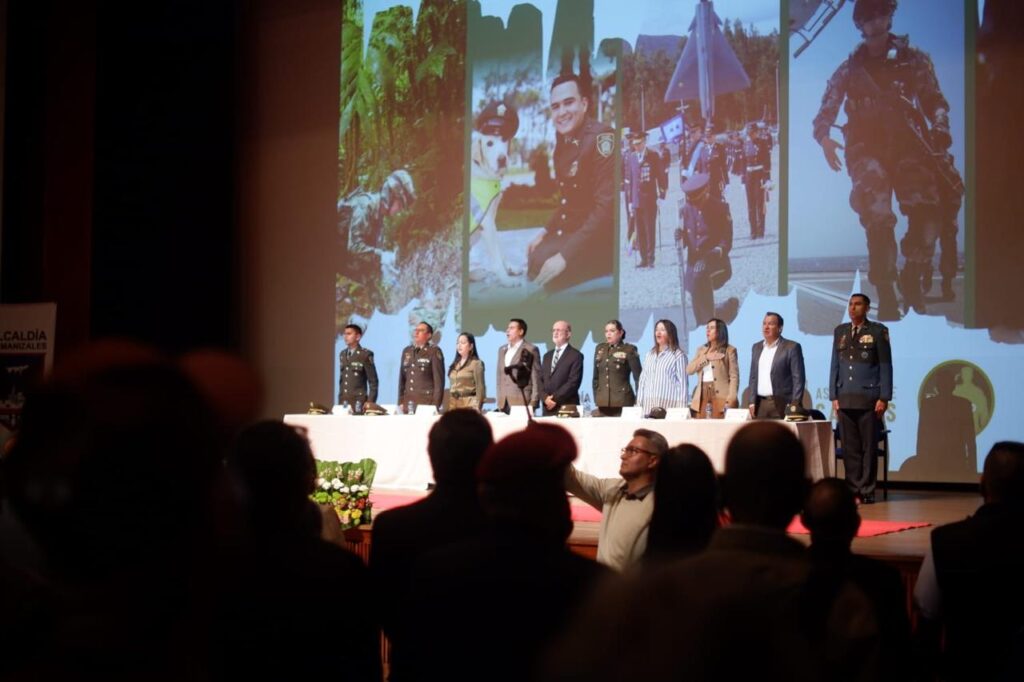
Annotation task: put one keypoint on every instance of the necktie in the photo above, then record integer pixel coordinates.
(554, 360)
(856, 330)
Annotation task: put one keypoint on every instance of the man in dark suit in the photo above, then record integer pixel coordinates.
(776, 371)
(860, 388)
(562, 370)
(451, 513)
(518, 352)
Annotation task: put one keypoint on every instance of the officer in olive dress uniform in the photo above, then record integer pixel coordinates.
(614, 361)
(357, 382)
(421, 375)
(578, 243)
(860, 387)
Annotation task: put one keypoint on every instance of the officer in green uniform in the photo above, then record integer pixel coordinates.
(357, 383)
(578, 243)
(614, 361)
(860, 388)
(421, 375)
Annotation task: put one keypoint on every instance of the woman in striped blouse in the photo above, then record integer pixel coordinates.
(663, 380)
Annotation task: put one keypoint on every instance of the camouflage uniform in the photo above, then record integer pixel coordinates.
(582, 228)
(882, 157)
(360, 228)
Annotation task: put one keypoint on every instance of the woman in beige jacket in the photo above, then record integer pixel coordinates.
(718, 372)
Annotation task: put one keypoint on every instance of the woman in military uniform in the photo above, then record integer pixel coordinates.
(614, 361)
(466, 375)
(718, 368)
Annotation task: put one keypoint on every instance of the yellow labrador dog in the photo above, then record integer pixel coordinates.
(492, 130)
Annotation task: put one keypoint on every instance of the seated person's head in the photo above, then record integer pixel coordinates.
(273, 468)
(830, 513)
(764, 481)
(1002, 478)
(115, 460)
(457, 442)
(686, 503)
(521, 481)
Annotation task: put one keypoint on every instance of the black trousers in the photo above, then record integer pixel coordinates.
(858, 430)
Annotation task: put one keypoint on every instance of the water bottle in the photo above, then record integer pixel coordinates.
(587, 406)
(707, 410)
(410, 407)
(345, 407)
(359, 406)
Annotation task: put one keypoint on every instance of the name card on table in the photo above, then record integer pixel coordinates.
(737, 414)
(426, 411)
(632, 412)
(677, 413)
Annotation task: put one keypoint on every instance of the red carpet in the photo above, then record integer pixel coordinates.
(584, 512)
(868, 529)
(382, 501)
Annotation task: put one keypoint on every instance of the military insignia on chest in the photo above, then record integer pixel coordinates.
(620, 355)
(574, 168)
(605, 144)
(866, 339)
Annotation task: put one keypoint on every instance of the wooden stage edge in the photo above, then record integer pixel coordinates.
(904, 550)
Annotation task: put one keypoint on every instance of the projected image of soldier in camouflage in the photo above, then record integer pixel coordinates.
(365, 263)
(897, 136)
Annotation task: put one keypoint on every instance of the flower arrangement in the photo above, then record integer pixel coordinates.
(346, 487)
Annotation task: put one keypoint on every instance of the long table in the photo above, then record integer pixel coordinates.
(399, 443)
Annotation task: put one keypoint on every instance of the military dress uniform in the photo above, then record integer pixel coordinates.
(582, 228)
(860, 376)
(421, 376)
(883, 157)
(757, 167)
(357, 380)
(644, 182)
(707, 235)
(613, 364)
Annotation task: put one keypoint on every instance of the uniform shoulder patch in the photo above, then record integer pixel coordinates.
(605, 144)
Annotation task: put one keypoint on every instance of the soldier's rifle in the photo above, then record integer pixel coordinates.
(903, 110)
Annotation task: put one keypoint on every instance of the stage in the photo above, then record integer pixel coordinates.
(398, 443)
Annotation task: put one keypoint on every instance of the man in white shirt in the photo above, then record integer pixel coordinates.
(517, 353)
(776, 371)
(626, 503)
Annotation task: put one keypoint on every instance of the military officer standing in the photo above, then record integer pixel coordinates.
(757, 171)
(897, 129)
(421, 375)
(644, 184)
(860, 388)
(578, 242)
(707, 236)
(357, 384)
(614, 361)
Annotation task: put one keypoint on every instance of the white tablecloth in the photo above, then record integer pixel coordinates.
(399, 443)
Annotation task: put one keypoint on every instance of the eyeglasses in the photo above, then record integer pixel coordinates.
(632, 450)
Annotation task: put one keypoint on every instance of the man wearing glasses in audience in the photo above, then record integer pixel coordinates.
(626, 503)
